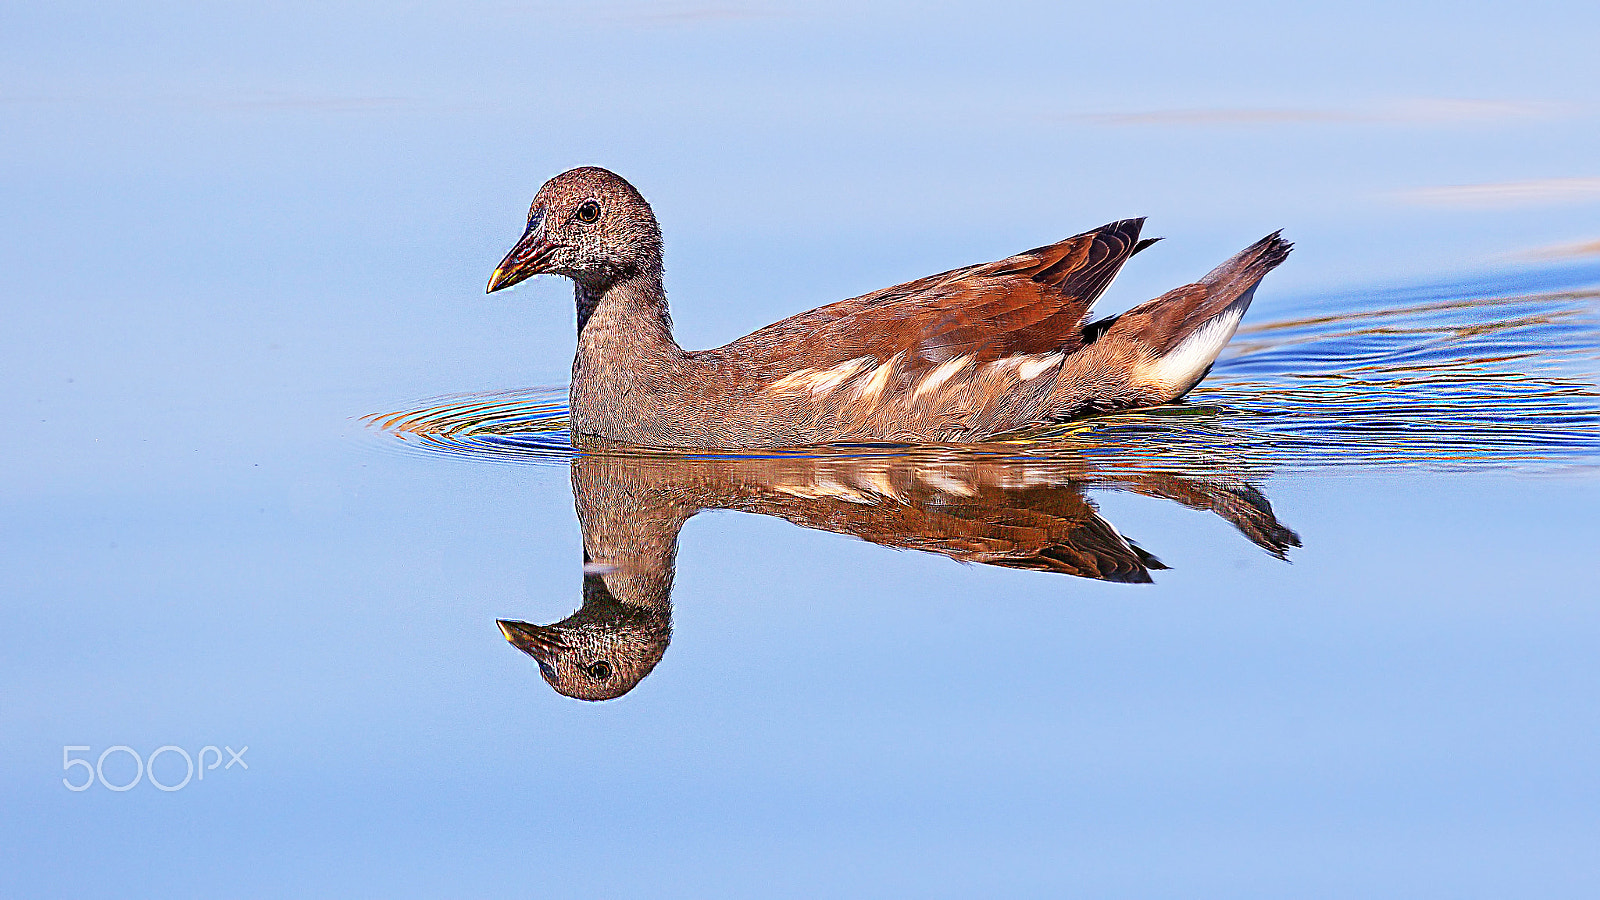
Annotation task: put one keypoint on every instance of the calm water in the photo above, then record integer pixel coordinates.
(276, 473)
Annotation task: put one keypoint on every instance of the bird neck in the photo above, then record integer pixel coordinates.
(627, 317)
(628, 373)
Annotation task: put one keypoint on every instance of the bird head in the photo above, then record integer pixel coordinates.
(588, 224)
(599, 652)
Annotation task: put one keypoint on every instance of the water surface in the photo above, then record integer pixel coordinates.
(1415, 381)
(1329, 628)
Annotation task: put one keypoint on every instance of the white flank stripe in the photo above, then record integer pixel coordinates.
(1036, 366)
(873, 384)
(1007, 362)
(791, 380)
(941, 375)
(822, 382)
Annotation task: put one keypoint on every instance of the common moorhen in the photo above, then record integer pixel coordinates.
(952, 358)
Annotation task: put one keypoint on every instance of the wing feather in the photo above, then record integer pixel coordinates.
(1034, 302)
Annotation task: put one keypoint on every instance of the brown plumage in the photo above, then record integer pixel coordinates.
(957, 357)
(1029, 514)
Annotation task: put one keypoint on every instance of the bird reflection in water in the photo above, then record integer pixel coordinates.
(1025, 514)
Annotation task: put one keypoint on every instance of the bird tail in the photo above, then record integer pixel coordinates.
(1179, 334)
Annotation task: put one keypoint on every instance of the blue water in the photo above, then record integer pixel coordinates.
(276, 467)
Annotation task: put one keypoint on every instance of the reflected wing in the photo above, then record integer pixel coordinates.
(1050, 530)
(964, 512)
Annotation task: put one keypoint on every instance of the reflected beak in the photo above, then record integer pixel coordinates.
(538, 641)
(529, 257)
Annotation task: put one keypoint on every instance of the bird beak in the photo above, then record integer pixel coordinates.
(529, 257)
(538, 641)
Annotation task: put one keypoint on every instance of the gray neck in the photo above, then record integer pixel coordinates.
(628, 366)
(624, 313)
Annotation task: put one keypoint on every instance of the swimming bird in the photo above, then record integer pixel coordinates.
(958, 357)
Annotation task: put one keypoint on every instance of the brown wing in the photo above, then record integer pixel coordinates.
(1033, 302)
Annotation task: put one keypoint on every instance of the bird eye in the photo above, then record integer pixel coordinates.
(588, 212)
(600, 670)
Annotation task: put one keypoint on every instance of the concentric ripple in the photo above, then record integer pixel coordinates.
(1490, 373)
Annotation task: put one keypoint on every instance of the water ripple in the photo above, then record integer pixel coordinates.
(1482, 373)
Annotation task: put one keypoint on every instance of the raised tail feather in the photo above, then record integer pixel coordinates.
(1179, 334)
